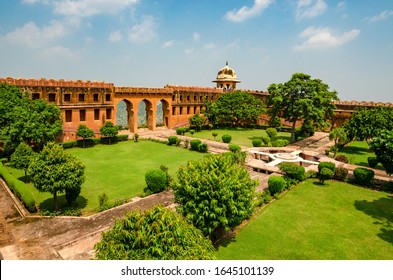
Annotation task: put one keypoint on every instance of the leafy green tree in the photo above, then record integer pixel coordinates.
(156, 234)
(215, 193)
(325, 174)
(339, 136)
(34, 122)
(302, 98)
(234, 108)
(109, 130)
(368, 123)
(382, 146)
(84, 132)
(55, 171)
(197, 121)
(22, 157)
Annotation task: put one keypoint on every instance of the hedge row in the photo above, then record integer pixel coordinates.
(19, 189)
(94, 141)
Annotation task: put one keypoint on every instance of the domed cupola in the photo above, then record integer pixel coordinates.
(226, 78)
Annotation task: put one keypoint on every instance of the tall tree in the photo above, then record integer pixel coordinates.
(302, 98)
(368, 123)
(55, 171)
(215, 193)
(10, 98)
(234, 108)
(382, 145)
(22, 157)
(109, 130)
(156, 234)
(84, 132)
(339, 136)
(197, 121)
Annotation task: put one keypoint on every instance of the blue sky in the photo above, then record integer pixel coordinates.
(346, 44)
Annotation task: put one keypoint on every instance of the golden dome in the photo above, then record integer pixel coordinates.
(226, 78)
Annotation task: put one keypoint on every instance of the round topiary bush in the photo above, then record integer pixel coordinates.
(363, 176)
(325, 174)
(342, 158)
(340, 174)
(293, 171)
(387, 187)
(194, 144)
(328, 165)
(180, 131)
(172, 140)
(226, 138)
(202, 148)
(372, 161)
(272, 132)
(265, 140)
(234, 148)
(276, 184)
(257, 143)
(156, 180)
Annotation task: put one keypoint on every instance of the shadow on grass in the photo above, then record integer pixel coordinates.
(382, 211)
(48, 204)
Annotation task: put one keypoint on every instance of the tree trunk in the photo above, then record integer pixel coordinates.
(335, 148)
(293, 132)
(55, 201)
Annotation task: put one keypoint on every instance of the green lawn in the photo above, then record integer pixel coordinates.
(118, 170)
(357, 153)
(336, 221)
(240, 136)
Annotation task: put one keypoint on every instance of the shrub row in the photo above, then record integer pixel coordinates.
(94, 141)
(265, 141)
(197, 145)
(19, 189)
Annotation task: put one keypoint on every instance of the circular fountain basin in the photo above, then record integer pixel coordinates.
(286, 156)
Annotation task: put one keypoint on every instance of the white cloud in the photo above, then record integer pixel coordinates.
(209, 46)
(168, 44)
(310, 8)
(382, 16)
(143, 32)
(196, 36)
(86, 8)
(35, 37)
(245, 12)
(57, 51)
(342, 5)
(115, 36)
(323, 38)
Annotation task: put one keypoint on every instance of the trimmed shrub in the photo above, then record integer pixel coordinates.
(215, 134)
(234, 148)
(226, 138)
(194, 144)
(122, 137)
(311, 174)
(19, 189)
(272, 132)
(342, 158)
(172, 140)
(257, 143)
(372, 161)
(192, 131)
(387, 187)
(136, 137)
(280, 143)
(265, 140)
(340, 174)
(325, 174)
(328, 165)
(69, 144)
(276, 184)
(202, 148)
(180, 131)
(156, 180)
(293, 171)
(363, 176)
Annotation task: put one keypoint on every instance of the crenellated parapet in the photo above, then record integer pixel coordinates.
(22, 82)
(194, 89)
(143, 90)
(360, 104)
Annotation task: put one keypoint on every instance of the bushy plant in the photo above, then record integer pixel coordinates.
(340, 174)
(311, 174)
(271, 132)
(226, 138)
(257, 143)
(280, 143)
(192, 131)
(180, 131)
(276, 184)
(325, 174)
(387, 187)
(293, 171)
(194, 144)
(265, 140)
(234, 148)
(136, 137)
(172, 140)
(215, 134)
(102, 199)
(186, 143)
(202, 148)
(156, 181)
(363, 176)
(372, 161)
(342, 158)
(328, 165)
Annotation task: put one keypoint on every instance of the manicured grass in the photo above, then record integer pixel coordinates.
(240, 136)
(118, 170)
(335, 221)
(357, 153)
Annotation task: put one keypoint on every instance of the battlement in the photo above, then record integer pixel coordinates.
(363, 103)
(142, 90)
(22, 82)
(194, 89)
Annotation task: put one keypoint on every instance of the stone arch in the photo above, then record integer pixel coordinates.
(150, 113)
(163, 112)
(125, 114)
